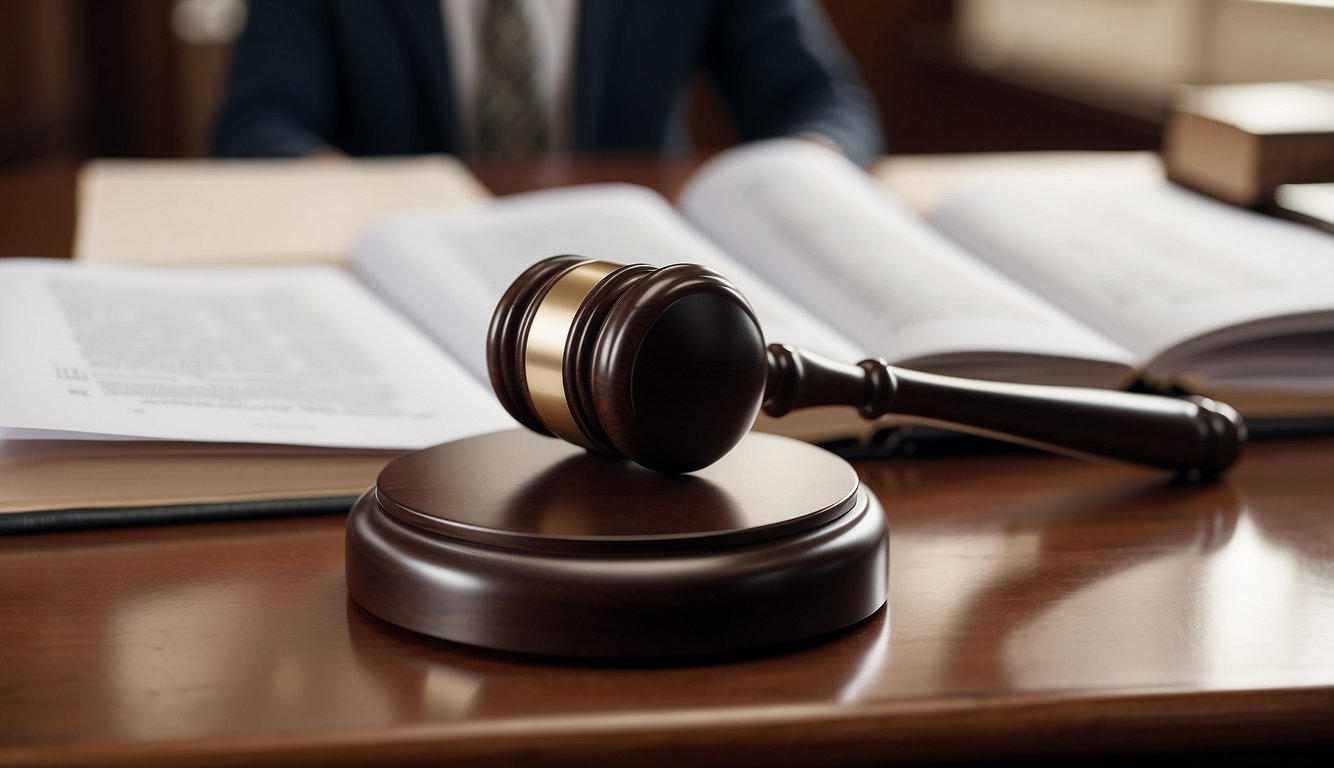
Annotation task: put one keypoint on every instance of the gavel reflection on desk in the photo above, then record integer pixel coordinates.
(668, 367)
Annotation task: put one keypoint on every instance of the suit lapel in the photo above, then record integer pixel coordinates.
(599, 21)
(422, 27)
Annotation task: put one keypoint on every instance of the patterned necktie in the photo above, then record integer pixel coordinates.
(510, 124)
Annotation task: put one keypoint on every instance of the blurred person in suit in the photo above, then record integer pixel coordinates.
(509, 79)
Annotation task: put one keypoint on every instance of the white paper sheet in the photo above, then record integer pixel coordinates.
(825, 233)
(1155, 266)
(448, 271)
(296, 355)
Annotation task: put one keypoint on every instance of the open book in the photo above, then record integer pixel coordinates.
(138, 393)
(1100, 287)
(1114, 285)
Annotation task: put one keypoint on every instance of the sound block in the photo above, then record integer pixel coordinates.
(518, 542)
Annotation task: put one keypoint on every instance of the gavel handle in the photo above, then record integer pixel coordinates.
(1187, 435)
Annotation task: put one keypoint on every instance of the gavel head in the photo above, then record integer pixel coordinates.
(662, 366)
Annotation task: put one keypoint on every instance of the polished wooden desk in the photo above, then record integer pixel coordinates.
(1038, 606)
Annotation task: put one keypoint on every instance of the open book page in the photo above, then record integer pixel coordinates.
(295, 355)
(923, 182)
(1182, 281)
(253, 211)
(448, 271)
(1307, 203)
(825, 233)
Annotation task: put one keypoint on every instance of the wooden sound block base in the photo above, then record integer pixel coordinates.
(518, 542)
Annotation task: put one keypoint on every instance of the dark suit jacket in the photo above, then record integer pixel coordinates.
(372, 77)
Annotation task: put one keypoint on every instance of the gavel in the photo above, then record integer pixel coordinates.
(667, 367)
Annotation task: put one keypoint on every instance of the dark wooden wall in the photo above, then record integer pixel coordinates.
(81, 78)
(40, 87)
(933, 100)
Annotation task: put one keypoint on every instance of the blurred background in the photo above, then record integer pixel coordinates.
(141, 78)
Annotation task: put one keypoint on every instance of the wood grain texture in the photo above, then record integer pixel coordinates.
(1185, 435)
(1038, 606)
(37, 211)
(663, 366)
(594, 558)
(572, 501)
(678, 372)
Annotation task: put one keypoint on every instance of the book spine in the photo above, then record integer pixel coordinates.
(51, 520)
